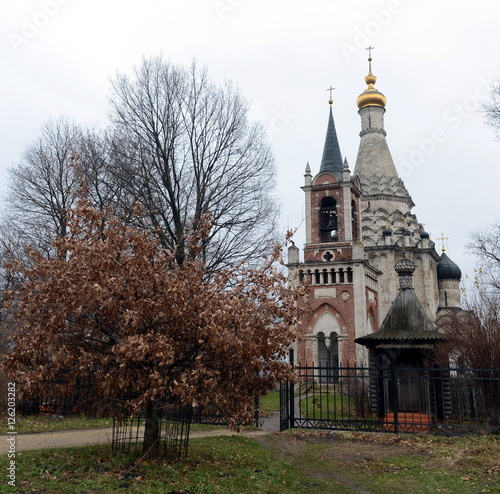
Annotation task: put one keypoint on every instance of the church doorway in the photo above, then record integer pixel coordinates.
(328, 357)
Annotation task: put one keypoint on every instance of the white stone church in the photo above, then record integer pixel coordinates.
(358, 226)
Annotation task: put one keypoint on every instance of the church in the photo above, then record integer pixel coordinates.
(359, 225)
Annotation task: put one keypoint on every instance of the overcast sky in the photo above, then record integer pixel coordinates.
(433, 60)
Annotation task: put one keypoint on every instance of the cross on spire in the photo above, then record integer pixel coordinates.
(370, 48)
(443, 238)
(330, 100)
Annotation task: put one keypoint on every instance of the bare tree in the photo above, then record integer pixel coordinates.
(491, 109)
(485, 244)
(45, 182)
(42, 184)
(473, 334)
(184, 148)
(473, 343)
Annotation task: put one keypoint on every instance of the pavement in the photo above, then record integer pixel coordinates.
(90, 437)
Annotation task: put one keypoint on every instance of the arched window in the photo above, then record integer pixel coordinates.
(328, 220)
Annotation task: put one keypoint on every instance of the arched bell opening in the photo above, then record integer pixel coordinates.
(328, 220)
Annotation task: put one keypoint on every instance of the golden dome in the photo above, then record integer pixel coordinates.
(371, 96)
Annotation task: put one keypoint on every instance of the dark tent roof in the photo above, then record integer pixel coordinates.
(332, 157)
(406, 324)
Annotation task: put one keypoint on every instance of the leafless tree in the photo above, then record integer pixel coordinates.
(184, 147)
(491, 109)
(41, 186)
(473, 334)
(485, 244)
(178, 144)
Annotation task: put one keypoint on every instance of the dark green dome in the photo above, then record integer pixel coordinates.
(447, 269)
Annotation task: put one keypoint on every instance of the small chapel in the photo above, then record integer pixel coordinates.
(359, 226)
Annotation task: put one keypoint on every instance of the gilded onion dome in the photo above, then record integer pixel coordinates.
(371, 96)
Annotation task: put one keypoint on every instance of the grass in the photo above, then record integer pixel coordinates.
(222, 465)
(45, 423)
(296, 461)
(328, 406)
(390, 463)
(270, 402)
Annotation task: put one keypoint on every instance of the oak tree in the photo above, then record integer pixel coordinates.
(116, 304)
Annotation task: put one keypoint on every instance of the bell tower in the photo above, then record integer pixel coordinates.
(343, 287)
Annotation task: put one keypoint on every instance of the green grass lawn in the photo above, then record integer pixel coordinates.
(270, 402)
(216, 465)
(292, 462)
(43, 423)
(328, 406)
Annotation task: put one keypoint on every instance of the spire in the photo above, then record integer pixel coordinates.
(374, 163)
(332, 158)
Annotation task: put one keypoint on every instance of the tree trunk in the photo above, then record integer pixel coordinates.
(151, 445)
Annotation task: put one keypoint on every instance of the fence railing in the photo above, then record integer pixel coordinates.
(52, 403)
(393, 399)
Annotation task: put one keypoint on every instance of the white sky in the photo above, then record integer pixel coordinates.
(433, 61)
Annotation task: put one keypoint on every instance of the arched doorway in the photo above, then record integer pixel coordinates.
(328, 357)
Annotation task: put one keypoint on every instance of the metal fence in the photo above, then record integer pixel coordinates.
(52, 402)
(171, 426)
(392, 399)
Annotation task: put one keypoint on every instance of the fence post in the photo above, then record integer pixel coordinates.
(394, 393)
(256, 404)
(291, 394)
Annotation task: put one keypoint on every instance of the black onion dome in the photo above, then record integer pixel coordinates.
(447, 269)
(424, 234)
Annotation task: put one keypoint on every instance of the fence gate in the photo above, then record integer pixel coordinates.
(392, 399)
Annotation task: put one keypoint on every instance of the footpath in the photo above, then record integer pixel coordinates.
(89, 437)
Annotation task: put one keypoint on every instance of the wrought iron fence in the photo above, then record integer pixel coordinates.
(392, 399)
(53, 402)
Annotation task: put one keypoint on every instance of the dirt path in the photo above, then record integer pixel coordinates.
(87, 437)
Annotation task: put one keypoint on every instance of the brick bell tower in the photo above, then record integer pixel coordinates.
(343, 287)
